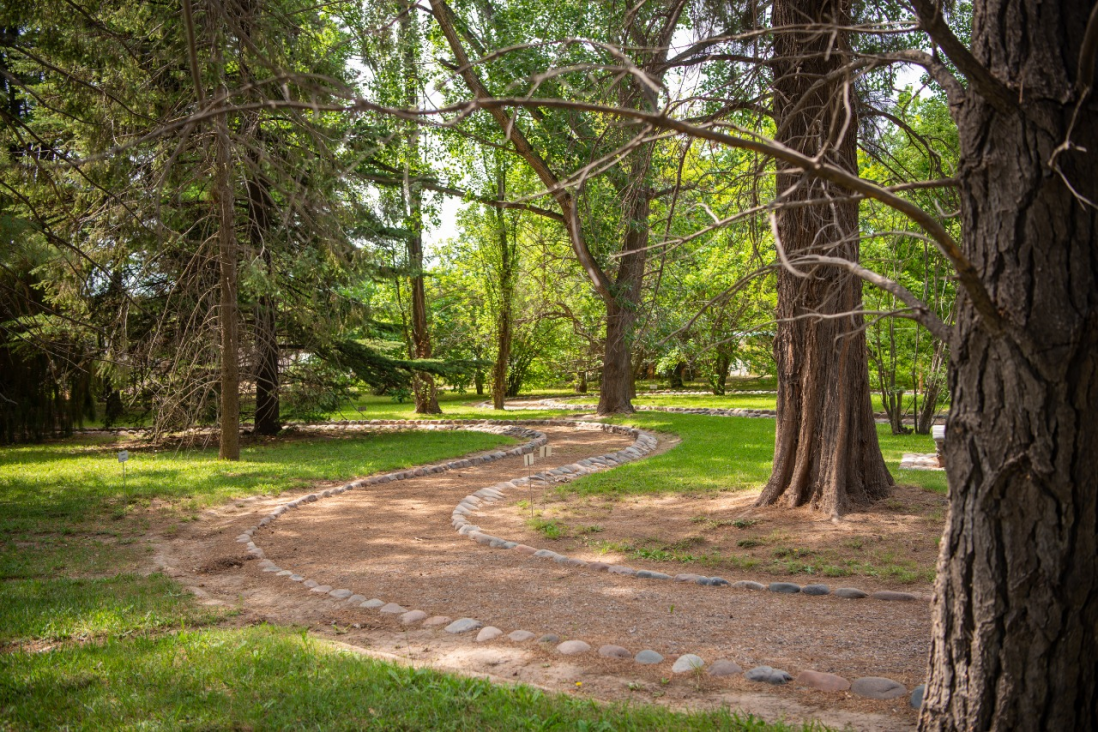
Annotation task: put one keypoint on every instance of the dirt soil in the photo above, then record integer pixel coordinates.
(394, 542)
(889, 545)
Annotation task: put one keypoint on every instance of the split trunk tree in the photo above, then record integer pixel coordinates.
(621, 294)
(825, 449)
(1015, 634)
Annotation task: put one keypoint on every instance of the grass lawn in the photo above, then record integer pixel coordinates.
(275, 678)
(88, 642)
(721, 453)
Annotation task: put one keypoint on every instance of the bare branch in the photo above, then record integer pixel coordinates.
(933, 22)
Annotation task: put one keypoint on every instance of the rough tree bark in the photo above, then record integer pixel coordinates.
(508, 266)
(423, 384)
(1015, 635)
(825, 449)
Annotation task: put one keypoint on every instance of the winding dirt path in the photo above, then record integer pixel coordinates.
(394, 541)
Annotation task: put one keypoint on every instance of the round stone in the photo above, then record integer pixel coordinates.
(768, 675)
(648, 657)
(549, 638)
(356, 599)
(822, 681)
(877, 687)
(413, 616)
(463, 625)
(284, 573)
(649, 574)
(718, 582)
(391, 608)
(488, 633)
(371, 604)
(894, 596)
(310, 583)
(573, 648)
(321, 589)
(816, 590)
(520, 636)
(610, 651)
(748, 585)
(850, 593)
(785, 588)
(341, 594)
(725, 668)
(686, 663)
(437, 620)
(916, 700)
(297, 578)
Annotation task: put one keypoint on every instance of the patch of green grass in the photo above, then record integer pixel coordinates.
(726, 453)
(549, 528)
(271, 678)
(67, 499)
(83, 609)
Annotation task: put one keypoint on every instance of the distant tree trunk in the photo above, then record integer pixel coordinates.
(621, 311)
(267, 408)
(1015, 615)
(581, 381)
(721, 363)
(924, 417)
(227, 313)
(892, 397)
(423, 384)
(825, 450)
(508, 254)
(675, 375)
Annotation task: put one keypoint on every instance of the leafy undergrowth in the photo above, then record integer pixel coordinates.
(275, 678)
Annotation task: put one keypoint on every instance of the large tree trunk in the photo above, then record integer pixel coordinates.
(825, 450)
(423, 384)
(508, 265)
(1015, 634)
(621, 310)
(227, 312)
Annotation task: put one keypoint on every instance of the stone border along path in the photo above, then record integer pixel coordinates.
(709, 411)
(872, 687)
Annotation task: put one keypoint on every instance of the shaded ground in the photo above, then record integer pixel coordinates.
(890, 545)
(394, 542)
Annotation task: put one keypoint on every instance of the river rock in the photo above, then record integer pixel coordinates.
(610, 651)
(573, 647)
(648, 657)
(822, 681)
(785, 588)
(877, 687)
(686, 663)
(768, 675)
(724, 668)
(489, 633)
